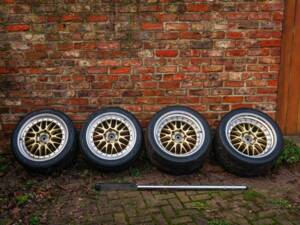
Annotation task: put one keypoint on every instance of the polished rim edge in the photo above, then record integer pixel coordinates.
(179, 133)
(251, 135)
(111, 136)
(42, 137)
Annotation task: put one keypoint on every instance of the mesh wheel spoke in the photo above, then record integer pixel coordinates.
(43, 137)
(111, 137)
(178, 137)
(248, 138)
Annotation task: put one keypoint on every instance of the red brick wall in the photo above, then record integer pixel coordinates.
(78, 56)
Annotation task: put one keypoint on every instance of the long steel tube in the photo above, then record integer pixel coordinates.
(192, 187)
(132, 186)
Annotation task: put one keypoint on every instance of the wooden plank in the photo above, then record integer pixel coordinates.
(294, 85)
(286, 57)
(298, 124)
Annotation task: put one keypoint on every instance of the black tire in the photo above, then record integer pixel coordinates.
(241, 164)
(171, 163)
(63, 159)
(117, 164)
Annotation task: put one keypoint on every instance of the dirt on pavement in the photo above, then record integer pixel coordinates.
(69, 197)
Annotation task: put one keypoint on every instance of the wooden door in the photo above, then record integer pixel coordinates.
(288, 113)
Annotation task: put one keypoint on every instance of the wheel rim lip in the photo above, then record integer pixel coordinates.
(258, 121)
(32, 121)
(189, 118)
(99, 119)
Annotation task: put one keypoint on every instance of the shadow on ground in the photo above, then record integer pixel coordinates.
(68, 197)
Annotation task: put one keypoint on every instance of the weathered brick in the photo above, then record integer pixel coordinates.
(120, 70)
(203, 44)
(152, 26)
(17, 28)
(97, 18)
(197, 7)
(71, 18)
(166, 53)
(177, 26)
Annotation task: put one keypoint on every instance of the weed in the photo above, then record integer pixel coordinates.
(134, 172)
(29, 184)
(218, 222)
(34, 220)
(282, 203)
(22, 199)
(3, 165)
(290, 154)
(252, 195)
(201, 205)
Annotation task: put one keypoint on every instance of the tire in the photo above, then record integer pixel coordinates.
(126, 150)
(44, 141)
(260, 133)
(185, 152)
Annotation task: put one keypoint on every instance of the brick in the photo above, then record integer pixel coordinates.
(166, 53)
(190, 35)
(233, 99)
(235, 35)
(166, 36)
(272, 6)
(120, 70)
(152, 26)
(203, 44)
(71, 18)
(167, 69)
(233, 84)
(78, 101)
(177, 26)
(108, 45)
(236, 52)
(17, 28)
(269, 43)
(97, 18)
(171, 84)
(197, 8)
(132, 93)
(98, 70)
(162, 17)
(4, 70)
(212, 68)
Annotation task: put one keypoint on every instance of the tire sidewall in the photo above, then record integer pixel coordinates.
(163, 156)
(244, 159)
(57, 160)
(117, 163)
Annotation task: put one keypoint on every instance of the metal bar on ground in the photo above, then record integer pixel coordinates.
(132, 186)
(193, 187)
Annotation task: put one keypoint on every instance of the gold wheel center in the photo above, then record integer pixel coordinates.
(178, 137)
(248, 139)
(43, 138)
(111, 136)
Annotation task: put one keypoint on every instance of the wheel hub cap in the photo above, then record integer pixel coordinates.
(251, 135)
(111, 136)
(43, 137)
(179, 133)
(178, 137)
